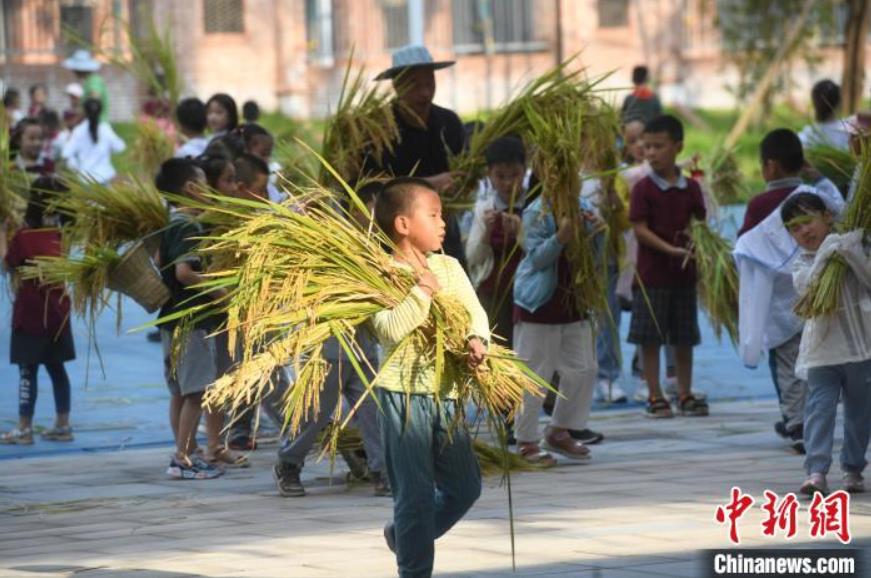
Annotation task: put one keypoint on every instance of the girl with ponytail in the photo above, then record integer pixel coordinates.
(91, 145)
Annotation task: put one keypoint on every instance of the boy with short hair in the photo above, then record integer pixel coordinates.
(661, 207)
(195, 367)
(642, 104)
(191, 116)
(429, 456)
(252, 176)
(492, 250)
(766, 313)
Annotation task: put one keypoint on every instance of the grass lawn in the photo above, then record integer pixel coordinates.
(704, 141)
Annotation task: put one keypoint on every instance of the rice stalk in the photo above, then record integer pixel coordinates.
(13, 183)
(109, 215)
(823, 295)
(725, 179)
(152, 59)
(834, 163)
(87, 275)
(557, 90)
(717, 278)
(364, 123)
(308, 277)
(151, 146)
(495, 459)
(557, 160)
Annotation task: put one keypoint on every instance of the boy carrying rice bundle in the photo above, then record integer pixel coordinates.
(664, 311)
(312, 276)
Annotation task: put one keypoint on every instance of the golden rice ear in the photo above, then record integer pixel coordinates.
(308, 276)
(717, 278)
(823, 296)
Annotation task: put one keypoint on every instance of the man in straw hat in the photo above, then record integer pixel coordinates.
(86, 69)
(428, 132)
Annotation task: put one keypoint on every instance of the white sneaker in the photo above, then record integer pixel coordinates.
(642, 392)
(815, 482)
(610, 392)
(853, 483)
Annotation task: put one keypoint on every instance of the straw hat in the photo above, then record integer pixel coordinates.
(82, 61)
(412, 56)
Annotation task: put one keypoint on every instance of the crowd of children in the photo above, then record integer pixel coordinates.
(514, 250)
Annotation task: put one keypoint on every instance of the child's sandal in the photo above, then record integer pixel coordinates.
(534, 455)
(658, 408)
(689, 405)
(229, 458)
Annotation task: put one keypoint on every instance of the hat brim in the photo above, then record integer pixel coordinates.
(394, 71)
(92, 66)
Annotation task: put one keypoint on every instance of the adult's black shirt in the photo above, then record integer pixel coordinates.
(423, 152)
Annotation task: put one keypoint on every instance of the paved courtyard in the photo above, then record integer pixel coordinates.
(644, 506)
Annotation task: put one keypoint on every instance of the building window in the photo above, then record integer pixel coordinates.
(395, 22)
(319, 37)
(223, 16)
(76, 24)
(512, 21)
(613, 13)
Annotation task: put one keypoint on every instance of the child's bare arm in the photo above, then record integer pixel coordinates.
(186, 275)
(652, 240)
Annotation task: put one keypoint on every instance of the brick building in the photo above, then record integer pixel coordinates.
(290, 54)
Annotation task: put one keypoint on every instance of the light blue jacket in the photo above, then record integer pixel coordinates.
(536, 278)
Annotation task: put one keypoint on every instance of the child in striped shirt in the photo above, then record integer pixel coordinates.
(434, 474)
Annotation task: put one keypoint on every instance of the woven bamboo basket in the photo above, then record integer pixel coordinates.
(152, 242)
(137, 277)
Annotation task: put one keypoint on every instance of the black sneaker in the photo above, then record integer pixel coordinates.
(780, 429)
(796, 439)
(356, 460)
(287, 480)
(381, 484)
(587, 436)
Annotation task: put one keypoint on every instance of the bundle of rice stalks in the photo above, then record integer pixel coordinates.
(717, 278)
(725, 178)
(362, 124)
(834, 163)
(151, 146)
(555, 90)
(823, 296)
(87, 274)
(557, 160)
(308, 277)
(110, 215)
(13, 183)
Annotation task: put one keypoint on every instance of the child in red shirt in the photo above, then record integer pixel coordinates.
(662, 205)
(41, 333)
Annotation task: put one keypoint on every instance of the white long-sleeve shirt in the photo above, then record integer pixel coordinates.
(89, 158)
(844, 336)
(764, 256)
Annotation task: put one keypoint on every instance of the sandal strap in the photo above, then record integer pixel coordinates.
(658, 403)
